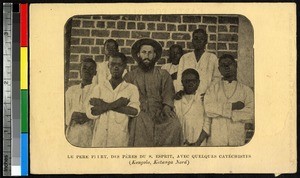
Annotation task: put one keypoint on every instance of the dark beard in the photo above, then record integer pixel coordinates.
(145, 67)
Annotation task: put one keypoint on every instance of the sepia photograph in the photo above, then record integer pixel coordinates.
(159, 80)
(162, 88)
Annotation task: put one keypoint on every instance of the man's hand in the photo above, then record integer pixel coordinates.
(98, 110)
(238, 105)
(179, 95)
(121, 102)
(79, 118)
(96, 102)
(189, 144)
(167, 111)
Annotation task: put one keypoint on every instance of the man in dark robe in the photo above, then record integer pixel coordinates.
(157, 123)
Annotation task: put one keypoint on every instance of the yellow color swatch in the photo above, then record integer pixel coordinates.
(24, 68)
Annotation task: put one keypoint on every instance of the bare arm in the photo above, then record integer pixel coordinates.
(122, 105)
(201, 138)
(127, 110)
(100, 106)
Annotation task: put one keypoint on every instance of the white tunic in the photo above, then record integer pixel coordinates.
(190, 111)
(111, 128)
(207, 68)
(78, 134)
(227, 126)
(171, 68)
(75, 99)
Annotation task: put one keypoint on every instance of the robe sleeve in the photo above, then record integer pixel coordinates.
(207, 124)
(216, 73)
(213, 107)
(245, 114)
(95, 94)
(168, 90)
(68, 106)
(179, 73)
(134, 99)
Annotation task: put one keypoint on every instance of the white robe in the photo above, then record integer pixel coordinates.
(192, 118)
(78, 134)
(207, 68)
(171, 68)
(227, 126)
(103, 73)
(111, 128)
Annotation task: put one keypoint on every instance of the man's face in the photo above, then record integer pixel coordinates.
(110, 48)
(190, 83)
(116, 67)
(199, 40)
(147, 55)
(227, 67)
(175, 55)
(88, 71)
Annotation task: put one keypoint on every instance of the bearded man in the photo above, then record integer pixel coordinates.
(157, 123)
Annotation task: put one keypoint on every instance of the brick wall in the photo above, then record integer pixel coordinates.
(88, 33)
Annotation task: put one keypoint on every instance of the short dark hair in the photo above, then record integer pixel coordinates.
(200, 30)
(176, 46)
(120, 55)
(111, 41)
(89, 60)
(227, 56)
(191, 71)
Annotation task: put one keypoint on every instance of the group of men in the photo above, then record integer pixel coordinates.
(194, 100)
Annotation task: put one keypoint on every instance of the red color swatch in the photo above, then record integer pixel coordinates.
(24, 25)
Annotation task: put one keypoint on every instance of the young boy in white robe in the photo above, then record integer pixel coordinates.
(111, 105)
(190, 111)
(229, 104)
(79, 128)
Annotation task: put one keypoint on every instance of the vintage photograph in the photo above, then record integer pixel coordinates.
(162, 88)
(159, 80)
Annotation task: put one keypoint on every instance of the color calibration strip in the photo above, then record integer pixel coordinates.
(15, 89)
(7, 88)
(24, 87)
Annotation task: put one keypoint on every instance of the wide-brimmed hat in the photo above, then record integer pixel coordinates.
(146, 41)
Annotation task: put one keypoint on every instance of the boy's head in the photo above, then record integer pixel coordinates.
(199, 39)
(110, 47)
(227, 66)
(117, 64)
(190, 80)
(88, 70)
(175, 53)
